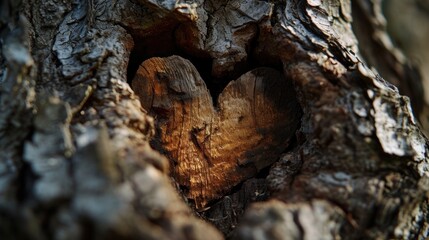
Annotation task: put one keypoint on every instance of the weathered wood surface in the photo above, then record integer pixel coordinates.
(381, 52)
(212, 150)
(406, 23)
(64, 67)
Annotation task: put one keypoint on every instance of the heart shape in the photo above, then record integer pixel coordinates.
(213, 150)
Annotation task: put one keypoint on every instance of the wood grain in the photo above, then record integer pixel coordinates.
(211, 149)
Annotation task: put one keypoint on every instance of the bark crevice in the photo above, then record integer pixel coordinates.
(300, 122)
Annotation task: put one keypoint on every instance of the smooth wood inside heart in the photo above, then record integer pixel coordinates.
(213, 150)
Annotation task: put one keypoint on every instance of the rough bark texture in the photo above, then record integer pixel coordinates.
(309, 128)
(406, 23)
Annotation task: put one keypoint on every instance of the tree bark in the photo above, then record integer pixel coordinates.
(406, 24)
(108, 128)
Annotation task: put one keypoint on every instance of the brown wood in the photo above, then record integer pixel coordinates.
(211, 149)
(76, 160)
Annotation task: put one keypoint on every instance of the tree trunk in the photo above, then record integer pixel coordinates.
(143, 119)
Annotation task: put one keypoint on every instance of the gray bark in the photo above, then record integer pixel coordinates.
(406, 23)
(82, 158)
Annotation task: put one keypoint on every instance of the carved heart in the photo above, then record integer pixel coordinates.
(214, 150)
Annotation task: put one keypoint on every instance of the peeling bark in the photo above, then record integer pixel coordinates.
(336, 151)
